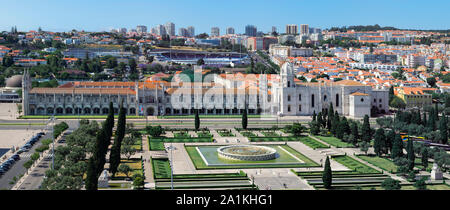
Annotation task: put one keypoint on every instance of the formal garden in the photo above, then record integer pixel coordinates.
(206, 157)
(162, 176)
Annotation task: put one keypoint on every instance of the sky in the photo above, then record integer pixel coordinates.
(104, 15)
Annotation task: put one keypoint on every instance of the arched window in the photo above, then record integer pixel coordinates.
(337, 100)
(289, 83)
(312, 100)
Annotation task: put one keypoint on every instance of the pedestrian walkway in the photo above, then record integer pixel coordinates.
(148, 170)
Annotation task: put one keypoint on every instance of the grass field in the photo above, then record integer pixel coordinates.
(135, 165)
(354, 164)
(272, 139)
(310, 142)
(334, 141)
(161, 168)
(380, 162)
(270, 134)
(248, 134)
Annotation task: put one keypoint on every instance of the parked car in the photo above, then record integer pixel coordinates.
(16, 157)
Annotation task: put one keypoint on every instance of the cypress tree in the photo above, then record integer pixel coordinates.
(244, 119)
(425, 157)
(91, 182)
(330, 117)
(197, 120)
(340, 129)
(114, 157)
(366, 132)
(397, 147)
(314, 117)
(424, 121)
(411, 157)
(319, 119)
(327, 175)
(335, 124)
(443, 130)
(390, 136)
(101, 148)
(379, 140)
(355, 133)
(419, 118)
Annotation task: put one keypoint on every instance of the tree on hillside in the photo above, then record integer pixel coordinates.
(327, 175)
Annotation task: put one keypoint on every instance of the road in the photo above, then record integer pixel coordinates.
(34, 180)
(18, 169)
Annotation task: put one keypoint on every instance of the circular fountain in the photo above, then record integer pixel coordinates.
(247, 152)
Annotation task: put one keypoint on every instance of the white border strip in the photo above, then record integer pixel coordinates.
(295, 157)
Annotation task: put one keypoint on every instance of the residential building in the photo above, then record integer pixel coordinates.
(291, 29)
(215, 31)
(250, 30)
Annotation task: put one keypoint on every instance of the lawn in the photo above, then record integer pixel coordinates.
(135, 165)
(225, 133)
(310, 142)
(284, 160)
(334, 141)
(271, 139)
(138, 144)
(354, 164)
(380, 162)
(181, 135)
(270, 134)
(161, 168)
(248, 134)
(204, 134)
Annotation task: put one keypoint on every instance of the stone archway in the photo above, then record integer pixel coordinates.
(150, 111)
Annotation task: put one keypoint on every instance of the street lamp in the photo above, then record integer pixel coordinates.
(171, 165)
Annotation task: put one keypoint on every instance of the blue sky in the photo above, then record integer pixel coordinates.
(99, 15)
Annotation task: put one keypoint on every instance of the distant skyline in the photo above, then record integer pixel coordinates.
(104, 15)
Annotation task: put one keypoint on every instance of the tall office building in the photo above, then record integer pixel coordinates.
(191, 31)
(250, 30)
(183, 32)
(170, 28)
(274, 29)
(215, 31)
(141, 29)
(161, 30)
(230, 30)
(304, 29)
(291, 29)
(122, 30)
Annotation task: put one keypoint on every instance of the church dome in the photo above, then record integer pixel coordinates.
(14, 82)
